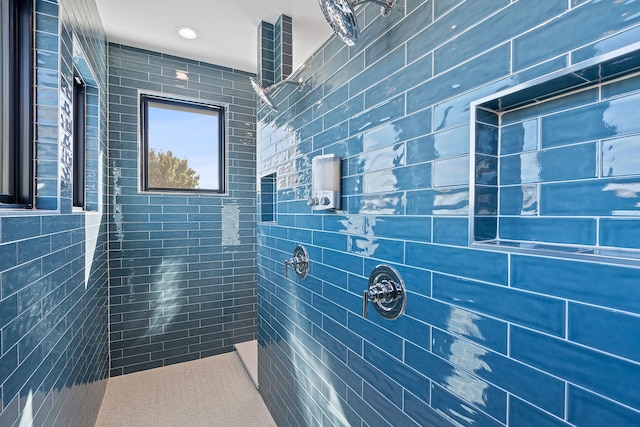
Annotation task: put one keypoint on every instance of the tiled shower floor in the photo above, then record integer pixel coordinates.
(215, 391)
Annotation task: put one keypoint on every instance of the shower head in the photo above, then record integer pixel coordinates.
(342, 18)
(341, 15)
(264, 93)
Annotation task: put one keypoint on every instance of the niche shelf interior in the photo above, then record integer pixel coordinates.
(268, 198)
(554, 162)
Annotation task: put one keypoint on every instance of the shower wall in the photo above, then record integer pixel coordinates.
(53, 261)
(490, 336)
(182, 267)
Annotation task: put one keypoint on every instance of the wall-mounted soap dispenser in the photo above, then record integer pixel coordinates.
(325, 182)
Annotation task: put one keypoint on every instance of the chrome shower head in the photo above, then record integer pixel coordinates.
(342, 18)
(263, 93)
(341, 15)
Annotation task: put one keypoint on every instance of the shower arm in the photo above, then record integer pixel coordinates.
(273, 87)
(386, 4)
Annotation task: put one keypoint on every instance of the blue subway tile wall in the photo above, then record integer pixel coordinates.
(53, 298)
(182, 267)
(266, 54)
(488, 337)
(283, 48)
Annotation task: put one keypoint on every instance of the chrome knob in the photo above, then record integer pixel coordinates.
(386, 292)
(324, 201)
(313, 201)
(299, 262)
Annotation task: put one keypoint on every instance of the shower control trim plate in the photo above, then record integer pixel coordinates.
(386, 292)
(299, 262)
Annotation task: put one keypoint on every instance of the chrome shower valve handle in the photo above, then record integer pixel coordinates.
(299, 262)
(386, 292)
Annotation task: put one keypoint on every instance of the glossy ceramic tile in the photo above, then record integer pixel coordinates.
(343, 67)
(550, 66)
(376, 400)
(594, 19)
(412, 126)
(455, 111)
(348, 338)
(578, 281)
(330, 135)
(519, 137)
(605, 197)
(489, 66)
(619, 156)
(612, 377)
(371, 75)
(538, 312)
(377, 204)
(446, 201)
(577, 231)
(447, 143)
(486, 200)
(486, 170)
(487, 139)
(386, 158)
(473, 326)
(542, 390)
(407, 228)
(589, 410)
(448, 26)
(452, 231)
(604, 329)
(454, 380)
(399, 82)
(466, 350)
(514, 20)
(20, 228)
(521, 413)
(451, 172)
(390, 110)
(488, 266)
(621, 87)
(420, 410)
(375, 376)
(376, 335)
(620, 233)
(370, 417)
(606, 45)
(443, 6)
(267, 198)
(605, 119)
(561, 103)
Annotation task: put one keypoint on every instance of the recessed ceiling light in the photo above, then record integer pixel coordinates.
(187, 33)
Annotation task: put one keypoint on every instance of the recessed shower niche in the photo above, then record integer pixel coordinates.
(556, 162)
(267, 198)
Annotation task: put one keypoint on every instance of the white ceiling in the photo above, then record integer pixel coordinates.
(228, 29)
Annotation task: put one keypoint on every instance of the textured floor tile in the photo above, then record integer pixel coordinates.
(215, 391)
